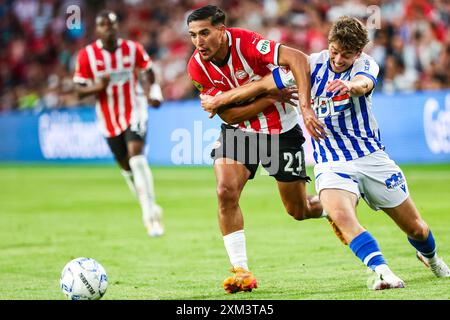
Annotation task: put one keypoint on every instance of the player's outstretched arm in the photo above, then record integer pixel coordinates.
(297, 61)
(358, 86)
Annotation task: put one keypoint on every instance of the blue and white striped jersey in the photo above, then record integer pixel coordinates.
(352, 131)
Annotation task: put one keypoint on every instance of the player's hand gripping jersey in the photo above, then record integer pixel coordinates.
(118, 106)
(251, 57)
(352, 131)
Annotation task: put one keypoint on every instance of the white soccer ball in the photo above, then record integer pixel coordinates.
(83, 279)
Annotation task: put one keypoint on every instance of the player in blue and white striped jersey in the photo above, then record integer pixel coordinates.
(351, 162)
(349, 123)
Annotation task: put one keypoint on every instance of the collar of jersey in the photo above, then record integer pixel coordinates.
(224, 62)
(99, 43)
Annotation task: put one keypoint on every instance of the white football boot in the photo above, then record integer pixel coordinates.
(436, 265)
(384, 281)
(154, 224)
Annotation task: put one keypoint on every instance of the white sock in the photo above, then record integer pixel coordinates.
(383, 269)
(236, 249)
(143, 181)
(128, 175)
(324, 214)
(432, 260)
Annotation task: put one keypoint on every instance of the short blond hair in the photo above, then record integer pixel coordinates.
(349, 33)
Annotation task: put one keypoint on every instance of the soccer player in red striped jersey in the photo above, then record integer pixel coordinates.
(109, 68)
(226, 58)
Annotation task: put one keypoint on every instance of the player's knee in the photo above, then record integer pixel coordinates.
(135, 148)
(419, 231)
(133, 152)
(299, 216)
(296, 211)
(342, 218)
(227, 194)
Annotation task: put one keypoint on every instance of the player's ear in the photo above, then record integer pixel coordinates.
(221, 28)
(222, 32)
(358, 54)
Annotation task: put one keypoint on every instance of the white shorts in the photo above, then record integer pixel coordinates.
(375, 177)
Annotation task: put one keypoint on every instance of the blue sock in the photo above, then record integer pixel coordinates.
(365, 247)
(427, 248)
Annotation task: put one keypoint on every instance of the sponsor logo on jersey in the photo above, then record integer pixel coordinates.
(119, 77)
(241, 74)
(263, 46)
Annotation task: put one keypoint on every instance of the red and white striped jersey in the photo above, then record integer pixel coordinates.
(116, 104)
(251, 58)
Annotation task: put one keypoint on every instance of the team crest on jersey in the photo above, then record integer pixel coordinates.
(241, 74)
(263, 46)
(198, 85)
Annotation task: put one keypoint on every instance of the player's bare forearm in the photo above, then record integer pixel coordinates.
(297, 61)
(245, 92)
(155, 96)
(151, 76)
(358, 86)
(237, 114)
(146, 78)
(83, 91)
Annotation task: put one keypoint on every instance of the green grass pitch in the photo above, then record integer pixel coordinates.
(52, 214)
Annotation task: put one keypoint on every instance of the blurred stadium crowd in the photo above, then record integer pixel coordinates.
(38, 50)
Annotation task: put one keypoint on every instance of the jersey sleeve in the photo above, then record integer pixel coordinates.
(366, 66)
(263, 50)
(283, 77)
(143, 60)
(83, 72)
(201, 80)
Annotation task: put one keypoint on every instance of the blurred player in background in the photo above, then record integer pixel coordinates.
(351, 162)
(226, 58)
(110, 68)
